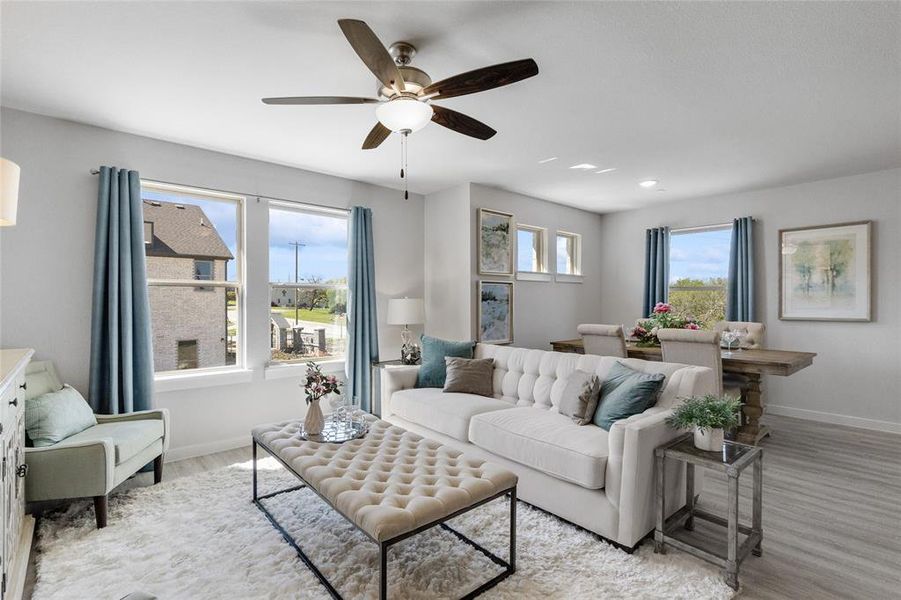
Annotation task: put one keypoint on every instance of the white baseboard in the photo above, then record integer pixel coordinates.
(834, 419)
(174, 454)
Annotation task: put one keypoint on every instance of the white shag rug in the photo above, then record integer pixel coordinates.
(201, 538)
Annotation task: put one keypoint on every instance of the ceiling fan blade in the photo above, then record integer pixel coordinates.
(314, 100)
(372, 52)
(378, 135)
(486, 78)
(461, 123)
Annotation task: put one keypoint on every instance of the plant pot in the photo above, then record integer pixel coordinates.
(314, 421)
(710, 440)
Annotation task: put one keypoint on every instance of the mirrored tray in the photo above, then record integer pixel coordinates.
(336, 432)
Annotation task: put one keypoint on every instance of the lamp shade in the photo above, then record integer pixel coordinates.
(405, 311)
(9, 192)
(404, 114)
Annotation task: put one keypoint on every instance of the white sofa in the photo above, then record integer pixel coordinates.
(602, 481)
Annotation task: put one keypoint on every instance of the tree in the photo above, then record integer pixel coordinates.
(804, 261)
(706, 304)
(312, 298)
(838, 255)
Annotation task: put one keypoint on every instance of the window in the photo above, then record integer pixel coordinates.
(698, 271)
(569, 253)
(307, 283)
(187, 354)
(148, 233)
(197, 235)
(531, 252)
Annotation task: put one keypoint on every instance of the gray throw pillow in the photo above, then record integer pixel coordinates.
(580, 397)
(52, 417)
(469, 375)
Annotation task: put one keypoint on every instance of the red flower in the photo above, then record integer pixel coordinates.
(662, 307)
(692, 326)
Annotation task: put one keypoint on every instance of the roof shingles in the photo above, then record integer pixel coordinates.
(183, 230)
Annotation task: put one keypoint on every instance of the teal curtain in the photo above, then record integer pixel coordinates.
(740, 296)
(656, 268)
(121, 353)
(362, 317)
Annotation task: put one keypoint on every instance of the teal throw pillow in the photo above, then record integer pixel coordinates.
(626, 392)
(433, 371)
(54, 416)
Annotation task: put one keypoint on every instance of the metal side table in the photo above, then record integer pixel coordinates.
(732, 460)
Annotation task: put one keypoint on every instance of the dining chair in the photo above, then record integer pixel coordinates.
(696, 347)
(603, 340)
(752, 333)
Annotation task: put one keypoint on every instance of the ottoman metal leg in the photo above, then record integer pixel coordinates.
(383, 571)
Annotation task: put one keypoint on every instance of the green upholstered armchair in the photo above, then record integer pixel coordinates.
(93, 462)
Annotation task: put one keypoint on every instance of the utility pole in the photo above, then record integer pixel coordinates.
(297, 247)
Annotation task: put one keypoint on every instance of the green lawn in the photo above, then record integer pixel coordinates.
(317, 315)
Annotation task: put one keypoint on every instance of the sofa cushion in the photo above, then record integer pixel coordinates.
(469, 375)
(546, 441)
(444, 412)
(434, 350)
(128, 437)
(55, 416)
(626, 392)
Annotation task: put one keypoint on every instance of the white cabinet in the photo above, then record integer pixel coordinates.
(17, 529)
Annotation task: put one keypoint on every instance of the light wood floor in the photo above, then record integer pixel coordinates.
(831, 518)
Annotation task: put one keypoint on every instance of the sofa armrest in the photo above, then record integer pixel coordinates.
(70, 470)
(395, 379)
(160, 414)
(630, 483)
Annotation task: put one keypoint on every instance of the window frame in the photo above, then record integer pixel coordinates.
(541, 235)
(276, 369)
(238, 282)
(575, 276)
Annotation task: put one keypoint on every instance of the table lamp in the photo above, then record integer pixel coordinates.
(406, 312)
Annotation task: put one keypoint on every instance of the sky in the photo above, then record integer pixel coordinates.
(324, 254)
(699, 255)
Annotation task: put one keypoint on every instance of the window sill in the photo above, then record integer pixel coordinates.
(533, 276)
(564, 278)
(281, 371)
(172, 382)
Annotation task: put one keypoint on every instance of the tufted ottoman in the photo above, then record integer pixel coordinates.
(391, 484)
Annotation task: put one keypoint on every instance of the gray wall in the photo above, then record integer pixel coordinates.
(447, 287)
(543, 310)
(48, 255)
(856, 376)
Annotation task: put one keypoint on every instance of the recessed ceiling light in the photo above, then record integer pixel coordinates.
(648, 183)
(606, 170)
(584, 166)
(547, 160)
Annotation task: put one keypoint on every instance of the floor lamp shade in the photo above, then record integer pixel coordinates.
(9, 192)
(405, 311)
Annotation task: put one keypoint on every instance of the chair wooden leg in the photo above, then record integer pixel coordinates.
(157, 469)
(100, 504)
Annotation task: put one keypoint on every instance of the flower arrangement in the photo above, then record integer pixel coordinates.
(318, 385)
(706, 413)
(662, 317)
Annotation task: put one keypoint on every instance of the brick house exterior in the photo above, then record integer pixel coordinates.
(189, 323)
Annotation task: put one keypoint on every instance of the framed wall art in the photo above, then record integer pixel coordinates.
(496, 242)
(825, 272)
(496, 312)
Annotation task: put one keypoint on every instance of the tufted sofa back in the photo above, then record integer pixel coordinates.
(526, 377)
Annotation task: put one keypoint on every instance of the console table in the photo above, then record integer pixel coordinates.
(751, 364)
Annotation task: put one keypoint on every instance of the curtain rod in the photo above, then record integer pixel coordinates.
(701, 227)
(257, 196)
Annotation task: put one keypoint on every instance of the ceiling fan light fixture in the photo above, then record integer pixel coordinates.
(404, 114)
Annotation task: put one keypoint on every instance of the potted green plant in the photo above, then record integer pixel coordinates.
(708, 416)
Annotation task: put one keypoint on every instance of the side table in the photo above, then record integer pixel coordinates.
(732, 460)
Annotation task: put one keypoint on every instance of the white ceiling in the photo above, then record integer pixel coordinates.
(708, 98)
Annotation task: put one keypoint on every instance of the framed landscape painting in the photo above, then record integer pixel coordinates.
(824, 272)
(496, 312)
(496, 238)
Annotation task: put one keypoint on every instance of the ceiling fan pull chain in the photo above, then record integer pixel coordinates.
(405, 145)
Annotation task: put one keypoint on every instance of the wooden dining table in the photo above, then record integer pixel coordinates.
(750, 363)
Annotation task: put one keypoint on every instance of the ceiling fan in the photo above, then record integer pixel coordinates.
(406, 93)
